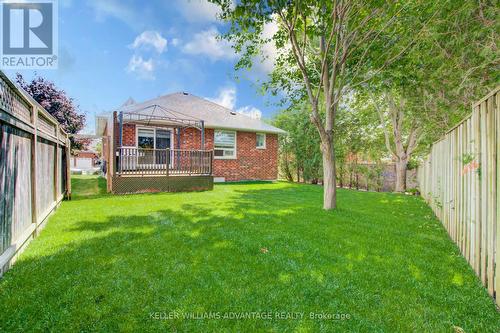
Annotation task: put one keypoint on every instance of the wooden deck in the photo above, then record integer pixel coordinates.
(140, 170)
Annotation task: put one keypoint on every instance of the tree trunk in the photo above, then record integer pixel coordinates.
(401, 165)
(341, 178)
(350, 175)
(329, 181)
(356, 177)
(288, 172)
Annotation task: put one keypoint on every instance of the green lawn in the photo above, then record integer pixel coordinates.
(126, 263)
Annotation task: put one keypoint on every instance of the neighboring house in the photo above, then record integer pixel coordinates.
(243, 148)
(84, 159)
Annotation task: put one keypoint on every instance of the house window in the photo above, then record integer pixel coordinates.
(225, 144)
(261, 141)
(146, 138)
(153, 138)
(162, 139)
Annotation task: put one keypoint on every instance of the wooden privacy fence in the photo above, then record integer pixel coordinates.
(460, 181)
(34, 177)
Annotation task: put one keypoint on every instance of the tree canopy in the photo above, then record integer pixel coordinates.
(55, 101)
(404, 71)
(327, 49)
(58, 104)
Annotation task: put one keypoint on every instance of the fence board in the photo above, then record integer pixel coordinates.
(459, 180)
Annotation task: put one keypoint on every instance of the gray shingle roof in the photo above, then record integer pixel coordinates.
(214, 115)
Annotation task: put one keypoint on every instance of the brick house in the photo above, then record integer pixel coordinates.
(241, 147)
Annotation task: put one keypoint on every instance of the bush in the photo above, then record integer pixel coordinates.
(413, 191)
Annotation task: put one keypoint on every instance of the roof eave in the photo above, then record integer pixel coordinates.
(253, 130)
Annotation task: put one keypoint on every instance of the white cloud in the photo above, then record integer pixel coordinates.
(175, 41)
(250, 111)
(269, 53)
(199, 11)
(206, 43)
(226, 97)
(150, 39)
(144, 69)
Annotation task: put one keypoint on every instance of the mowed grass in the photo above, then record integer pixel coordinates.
(143, 262)
(85, 186)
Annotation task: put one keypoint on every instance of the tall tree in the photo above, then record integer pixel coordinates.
(401, 136)
(327, 50)
(431, 88)
(56, 102)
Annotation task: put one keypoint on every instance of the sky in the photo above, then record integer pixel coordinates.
(110, 50)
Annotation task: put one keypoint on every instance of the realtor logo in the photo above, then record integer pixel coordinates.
(29, 34)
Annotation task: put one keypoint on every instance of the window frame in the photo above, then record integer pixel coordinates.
(137, 137)
(170, 130)
(234, 156)
(137, 128)
(264, 146)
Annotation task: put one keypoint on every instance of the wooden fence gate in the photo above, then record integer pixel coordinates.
(460, 179)
(34, 173)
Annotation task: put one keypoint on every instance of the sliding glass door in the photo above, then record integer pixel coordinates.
(154, 142)
(163, 141)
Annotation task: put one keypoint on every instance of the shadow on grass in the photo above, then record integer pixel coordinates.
(259, 250)
(247, 182)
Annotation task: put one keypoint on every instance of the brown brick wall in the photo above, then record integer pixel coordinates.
(128, 139)
(251, 163)
(191, 139)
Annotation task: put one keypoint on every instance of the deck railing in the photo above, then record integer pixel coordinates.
(163, 162)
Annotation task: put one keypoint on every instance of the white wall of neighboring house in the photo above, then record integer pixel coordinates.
(82, 163)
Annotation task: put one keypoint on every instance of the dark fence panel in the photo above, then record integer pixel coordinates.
(33, 169)
(15, 182)
(45, 175)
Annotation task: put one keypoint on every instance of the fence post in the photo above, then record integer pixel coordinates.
(34, 155)
(497, 203)
(492, 166)
(68, 168)
(56, 165)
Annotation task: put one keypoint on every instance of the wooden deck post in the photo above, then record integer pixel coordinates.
(168, 160)
(120, 119)
(202, 134)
